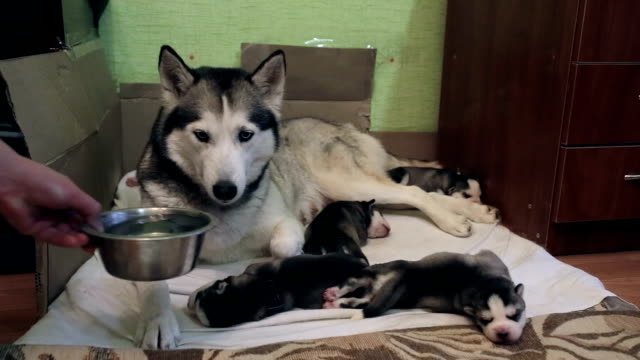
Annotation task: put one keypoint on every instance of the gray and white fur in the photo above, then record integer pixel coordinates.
(444, 181)
(344, 227)
(268, 288)
(219, 145)
(475, 285)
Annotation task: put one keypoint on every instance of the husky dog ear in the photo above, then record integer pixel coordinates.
(519, 289)
(175, 75)
(269, 77)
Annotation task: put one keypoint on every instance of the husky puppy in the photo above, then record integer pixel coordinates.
(265, 289)
(476, 285)
(218, 145)
(343, 227)
(445, 181)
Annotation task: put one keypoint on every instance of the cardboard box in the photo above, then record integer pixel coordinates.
(68, 110)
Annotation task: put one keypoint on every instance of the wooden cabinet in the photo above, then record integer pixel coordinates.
(604, 105)
(592, 184)
(542, 100)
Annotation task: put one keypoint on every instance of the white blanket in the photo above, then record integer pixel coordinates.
(98, 309)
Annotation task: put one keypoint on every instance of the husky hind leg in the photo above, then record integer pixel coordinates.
(450, 216)
(396, 161)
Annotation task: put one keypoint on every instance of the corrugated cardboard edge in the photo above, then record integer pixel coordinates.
(81, 103)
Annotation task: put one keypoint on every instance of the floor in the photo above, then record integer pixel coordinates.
(620, 273)
(17, 306)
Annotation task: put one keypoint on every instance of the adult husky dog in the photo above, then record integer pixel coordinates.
(217, 145)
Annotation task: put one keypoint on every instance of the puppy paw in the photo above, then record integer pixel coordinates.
(330, 294)
(159, 331)
(330, 305)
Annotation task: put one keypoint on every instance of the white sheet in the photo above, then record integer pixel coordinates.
(98, 309)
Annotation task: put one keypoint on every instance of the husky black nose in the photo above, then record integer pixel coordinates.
(503, 335)
(225, 190)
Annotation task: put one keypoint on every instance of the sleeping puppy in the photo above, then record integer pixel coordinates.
(268, 288)
(476, 285)
(445, 181)
(345, 226)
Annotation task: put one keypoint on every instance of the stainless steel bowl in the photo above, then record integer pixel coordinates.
(149, 244)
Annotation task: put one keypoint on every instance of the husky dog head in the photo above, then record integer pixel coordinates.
(498, 308)
(219, 126)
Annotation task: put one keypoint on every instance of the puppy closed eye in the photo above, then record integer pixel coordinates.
(515, 317)
(465, 195)
(485, 321)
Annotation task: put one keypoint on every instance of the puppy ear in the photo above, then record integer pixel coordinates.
(175, 76)
(519, 289)
(371, 202)
(222, 285)
(269, 77)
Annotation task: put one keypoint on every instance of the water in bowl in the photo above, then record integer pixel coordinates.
(156, 225)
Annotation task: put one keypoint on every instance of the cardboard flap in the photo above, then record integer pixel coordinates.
(326, 83)
(60, 98)
(319, 73)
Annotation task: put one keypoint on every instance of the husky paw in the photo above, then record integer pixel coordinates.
(455, 225)
(483, 214)
(284, 248)
(359, 315)
(330, 294)
(159, 331)
(287, 240)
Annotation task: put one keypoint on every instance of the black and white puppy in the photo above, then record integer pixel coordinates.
(476, 285)
(268, 288)
(445, 181)
(344, 227)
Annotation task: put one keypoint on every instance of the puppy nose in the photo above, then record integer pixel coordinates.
(225, 190)
(502, 335)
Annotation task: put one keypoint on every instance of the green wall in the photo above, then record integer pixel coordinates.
(409, 36)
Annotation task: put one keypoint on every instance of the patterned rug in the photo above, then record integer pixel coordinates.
(610, 330)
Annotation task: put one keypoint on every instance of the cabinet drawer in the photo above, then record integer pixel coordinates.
(605, 107)
(592, 184)
(610, 31)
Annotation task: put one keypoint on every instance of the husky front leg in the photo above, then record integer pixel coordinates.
(158, 326)
(287, 238)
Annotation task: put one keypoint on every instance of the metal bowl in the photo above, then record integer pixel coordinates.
(149, 244)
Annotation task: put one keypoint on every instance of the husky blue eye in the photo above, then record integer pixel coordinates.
(245, 135)
(201, 135)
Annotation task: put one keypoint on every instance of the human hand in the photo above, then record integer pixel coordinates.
(43, 203)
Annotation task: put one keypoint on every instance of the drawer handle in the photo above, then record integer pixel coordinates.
(632, 177)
